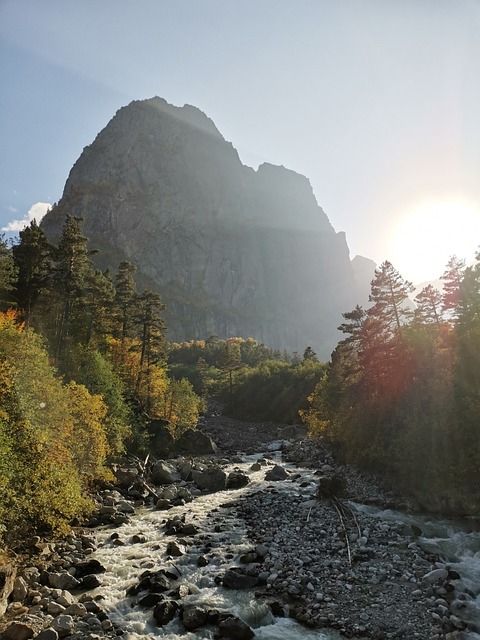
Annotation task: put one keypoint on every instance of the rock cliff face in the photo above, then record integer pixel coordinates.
(233, 251)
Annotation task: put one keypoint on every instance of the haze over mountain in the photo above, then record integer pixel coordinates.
(233, 251)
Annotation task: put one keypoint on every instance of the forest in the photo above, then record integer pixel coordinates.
(85, 366)
(401, 394)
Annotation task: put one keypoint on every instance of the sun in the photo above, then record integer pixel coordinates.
(427, 235)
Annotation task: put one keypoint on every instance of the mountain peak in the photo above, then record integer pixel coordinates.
(231, 250)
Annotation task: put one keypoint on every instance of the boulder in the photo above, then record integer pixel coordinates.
(62, 581)
(194, 617)
(63, 625)
(156, 582)
(20, 589)
(87, 567)
(237, 480)
(276, 473)
(47, 634)
(163, 473)
(212, 479)
(175, 549)
(162, 443)
(163, 505)
(331, 487)
(89, 582)
(236, 579)
(18, 631)
(8, 573)
(195, 442)
(435, 575)
(234, 628)
(165, 611)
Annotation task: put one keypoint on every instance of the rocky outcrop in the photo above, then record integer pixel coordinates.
(232, 251)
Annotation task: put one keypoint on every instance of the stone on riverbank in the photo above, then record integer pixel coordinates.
(276, 473)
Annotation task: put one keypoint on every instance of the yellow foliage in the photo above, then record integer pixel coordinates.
(88, 439)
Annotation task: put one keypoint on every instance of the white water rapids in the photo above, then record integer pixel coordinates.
(459, 543)
(225, 535)
(124, 564)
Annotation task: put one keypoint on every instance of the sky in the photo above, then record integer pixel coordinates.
(377, 102)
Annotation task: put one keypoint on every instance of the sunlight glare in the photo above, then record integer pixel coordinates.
(429, 234)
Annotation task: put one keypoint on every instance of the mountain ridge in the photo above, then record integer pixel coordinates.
(232, 250)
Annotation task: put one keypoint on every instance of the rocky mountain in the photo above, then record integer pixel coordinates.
(233, 251)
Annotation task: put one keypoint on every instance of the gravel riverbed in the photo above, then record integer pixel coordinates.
(319, 560)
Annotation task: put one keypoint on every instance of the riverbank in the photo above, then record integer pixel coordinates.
(319, 561)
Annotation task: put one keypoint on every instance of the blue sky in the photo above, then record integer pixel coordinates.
(377, 102)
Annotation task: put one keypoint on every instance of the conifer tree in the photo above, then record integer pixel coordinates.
(71, 270)
(33, 259)
(452, 278)
(125, 299)
(8, 275)
(150, 327)
(429, 306)
(389, 293)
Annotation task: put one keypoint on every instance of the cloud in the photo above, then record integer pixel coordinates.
(36, 211)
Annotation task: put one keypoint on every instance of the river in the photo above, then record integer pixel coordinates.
(222, 537)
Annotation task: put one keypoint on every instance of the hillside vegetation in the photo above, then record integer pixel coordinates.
(401, 394)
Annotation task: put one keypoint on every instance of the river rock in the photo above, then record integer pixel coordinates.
(212, 479)
(194, 617)
(163, 473)
(234, 628)
(47, 634)
(63, 581)
(175, 549)
(237, 480)
(8, 574)
(185, 470)
(87, 567)
(76, 609)
(18, 631)
(331, 487)
(435, 575)
(276, 473)
(165, 611)
(236, 579)
(89, 582)
(63, 625)
(20, 589)
(195, 442)
(156, 582)
(163, 504)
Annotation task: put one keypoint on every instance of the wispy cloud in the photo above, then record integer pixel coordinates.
(36, 211)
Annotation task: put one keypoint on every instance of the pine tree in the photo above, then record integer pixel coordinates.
(310, 355)
(150, 327)
(8, 275)
(452, 278)
(389, 293)
(230, 361)
(71, 270)
(429, 306)
(98, 300)
(33, 259)
(125, 299)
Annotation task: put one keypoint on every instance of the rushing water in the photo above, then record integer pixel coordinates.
(456, 542)
(124, 564)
